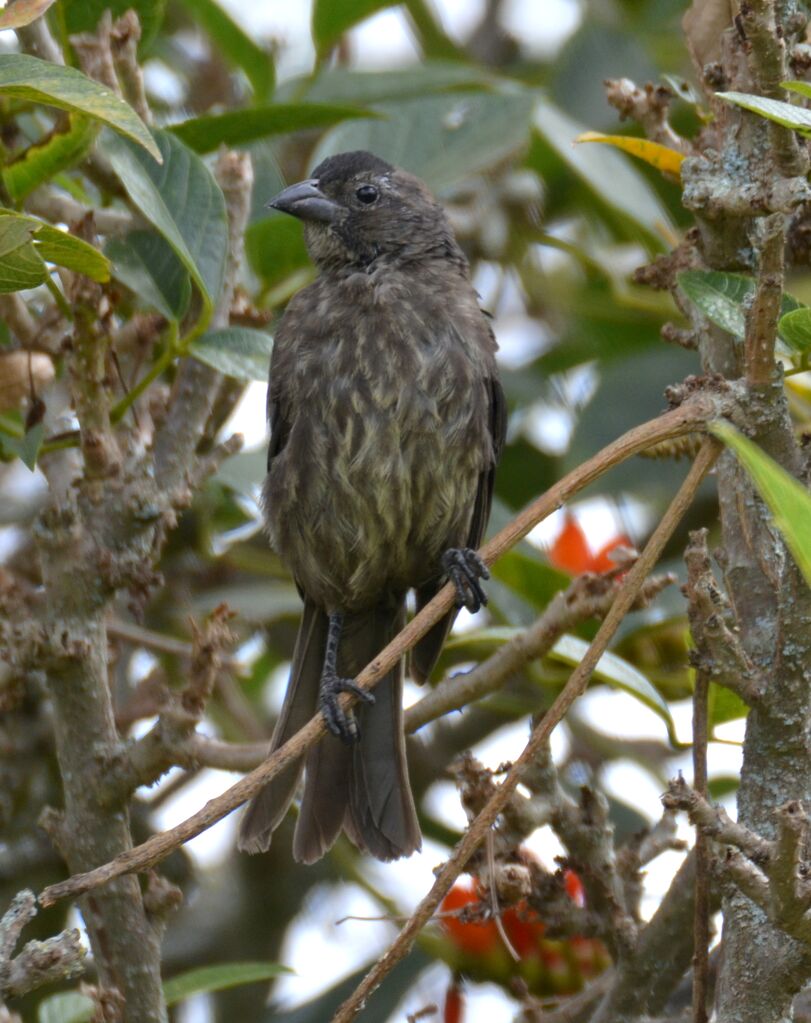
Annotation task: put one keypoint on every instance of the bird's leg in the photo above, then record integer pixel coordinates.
(342, 725)
(464, 569)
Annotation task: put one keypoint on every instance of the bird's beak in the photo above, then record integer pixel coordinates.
(306, 201)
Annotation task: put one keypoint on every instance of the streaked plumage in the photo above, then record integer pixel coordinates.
(386, 423)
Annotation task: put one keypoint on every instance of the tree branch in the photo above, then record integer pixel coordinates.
(573, 688)
(695, 412)
(39, 962)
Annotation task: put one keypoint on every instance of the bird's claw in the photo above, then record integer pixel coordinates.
(342, 725)
(464, 569)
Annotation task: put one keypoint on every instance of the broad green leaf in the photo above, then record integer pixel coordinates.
(44, 160)
(796, 118)
(342, 85)
(723, 705)
(787, 499)
(239, 127)
(67, 1007)
(21, 266)
(238, 352)
(721, 297)
(18, 13)
(795, 329)
(14, 232)
(243, 472)
(617, 673)
(330, 19)
(67, 250)
(26, 448)
(218, 978)
(150, 269)
(53, 245)
(275, 248)
(39, 81)
(84, 15)
(442, 139)
(234, 43)
(181, 199)
(803, 88)
(607, 173)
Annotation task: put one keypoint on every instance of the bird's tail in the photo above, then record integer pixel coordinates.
(362, 788)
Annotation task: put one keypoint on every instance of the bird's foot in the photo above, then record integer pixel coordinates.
(343, 725)
(465, 568)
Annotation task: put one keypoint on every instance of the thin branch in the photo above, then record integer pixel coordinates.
(697, 559)
(39, 962)
(126, 35)
(716, 822)
(587, 596)
(767, 60)
(719, 653)
(696, 411)
(761, 322)
(573, 688)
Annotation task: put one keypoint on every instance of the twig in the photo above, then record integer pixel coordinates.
(695, 412)
(577, 682)
(650, 106)
(761, 323)
(767, 60)
(39, 962)
(697, 560)
(126, 35)
(772, 874)
(587, 596)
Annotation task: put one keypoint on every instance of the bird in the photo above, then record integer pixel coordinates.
(387, 420)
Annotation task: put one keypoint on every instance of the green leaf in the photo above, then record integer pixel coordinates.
(27, 448)
(330, 19)
(181, 199)
(233, 43)
(21, 266)
(218, 978)
(795, 329)
(45, 159)
(275, 248)
(18, 13)
(796, 118)
(243, 472)
(803, 88)
(722, 297)
(442, 139)
(239, 127)
(723, 705)
(238, 352)
(14, 232)
(617, 673)
(54, 245)
(342, 85)
(609, 174)
(67, 250)
(150, 269)
(56, 85)
(67, 1007)
(788, 500)
(84, 15)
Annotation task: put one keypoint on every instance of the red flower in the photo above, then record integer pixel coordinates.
(571, 551)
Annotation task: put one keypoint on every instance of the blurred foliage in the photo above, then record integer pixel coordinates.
(553, 233)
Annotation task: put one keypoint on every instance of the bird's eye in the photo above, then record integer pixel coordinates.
(367, 194)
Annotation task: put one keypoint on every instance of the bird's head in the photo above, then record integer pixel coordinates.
(359, 211)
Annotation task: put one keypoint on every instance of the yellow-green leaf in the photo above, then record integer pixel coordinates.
(664, 159)
(40, 81)
(787, 499)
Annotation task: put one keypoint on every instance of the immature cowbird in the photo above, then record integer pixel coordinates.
(387, 419)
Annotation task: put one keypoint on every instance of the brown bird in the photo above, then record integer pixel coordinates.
(386, 423)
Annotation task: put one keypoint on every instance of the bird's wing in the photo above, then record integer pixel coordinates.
(424, 655)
